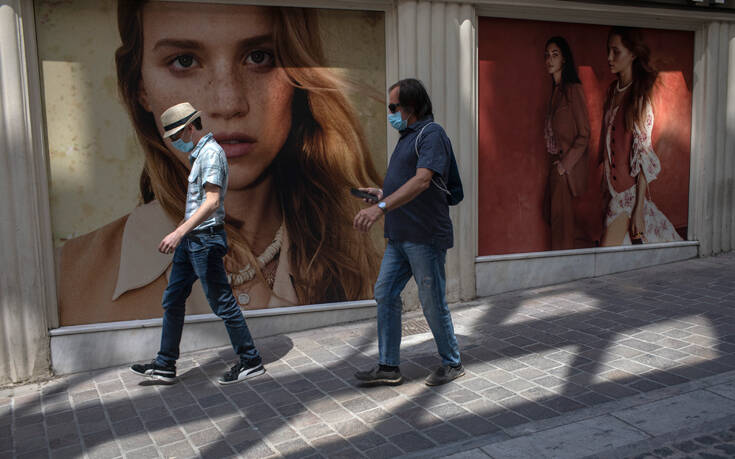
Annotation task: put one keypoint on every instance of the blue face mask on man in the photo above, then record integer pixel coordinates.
(396, 121)
(186, 147)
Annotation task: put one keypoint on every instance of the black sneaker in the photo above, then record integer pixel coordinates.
(444, 374)
(240, 372)
(378, 376)
(153, 370)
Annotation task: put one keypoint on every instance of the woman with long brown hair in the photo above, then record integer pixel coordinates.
(630, 164)
(294, 147)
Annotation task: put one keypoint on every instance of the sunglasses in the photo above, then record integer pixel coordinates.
(178, 135)
(393, 107)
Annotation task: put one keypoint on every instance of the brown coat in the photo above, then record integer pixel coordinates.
(116, 273)
(571, 126)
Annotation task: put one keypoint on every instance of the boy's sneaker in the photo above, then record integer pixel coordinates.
(240, 372)
(153, 370)
(444, 374)
(380, 376)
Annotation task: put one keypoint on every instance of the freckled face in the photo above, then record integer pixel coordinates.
(619, 58)
(554, 59)
(221, 59)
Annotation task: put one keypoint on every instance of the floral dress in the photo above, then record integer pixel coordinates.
(642, 159)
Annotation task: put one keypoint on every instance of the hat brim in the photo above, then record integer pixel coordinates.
(178, 129)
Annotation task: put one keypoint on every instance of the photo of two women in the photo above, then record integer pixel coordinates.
(606, 143)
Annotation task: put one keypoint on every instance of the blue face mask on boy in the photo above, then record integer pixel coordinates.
(186, 147)
(396, 121)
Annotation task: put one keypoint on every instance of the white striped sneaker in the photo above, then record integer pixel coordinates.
(153, 370)
(240, 372)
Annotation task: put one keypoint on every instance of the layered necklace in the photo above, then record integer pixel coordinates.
(618, 89)
(247, 273)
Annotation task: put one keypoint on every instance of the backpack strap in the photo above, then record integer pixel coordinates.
(440, 183)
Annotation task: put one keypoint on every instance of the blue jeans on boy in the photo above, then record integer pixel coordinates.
(426, 263)
(199, 255)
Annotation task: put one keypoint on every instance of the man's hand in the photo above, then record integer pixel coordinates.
(560, 168)
(377, 192)
(365, 219)
(170, 242)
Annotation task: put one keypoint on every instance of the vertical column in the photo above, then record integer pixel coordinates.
(26, 253)
(438, 67)
(730, 127)
(721, 211)
(407, 38)
(448, 86)
(437, 44)
(423, 41)
(712, 195)
(695, 161)
(466, 151)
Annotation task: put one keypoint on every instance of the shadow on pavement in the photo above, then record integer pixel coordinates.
(529, 356)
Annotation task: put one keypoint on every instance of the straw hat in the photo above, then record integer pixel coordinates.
(177, 118)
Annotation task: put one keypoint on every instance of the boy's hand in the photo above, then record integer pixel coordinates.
(170, 242)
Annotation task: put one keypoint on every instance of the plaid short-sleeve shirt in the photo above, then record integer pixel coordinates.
(208, 165)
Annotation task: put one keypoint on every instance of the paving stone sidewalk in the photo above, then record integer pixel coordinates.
(588, 353)
(685, 421)
(717, 444)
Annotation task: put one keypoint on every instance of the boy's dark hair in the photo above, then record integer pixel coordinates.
(413, 95)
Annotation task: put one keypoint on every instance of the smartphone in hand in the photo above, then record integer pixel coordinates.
(364, 195)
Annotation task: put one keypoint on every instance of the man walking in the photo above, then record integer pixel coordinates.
(199, 244)
(419, 232)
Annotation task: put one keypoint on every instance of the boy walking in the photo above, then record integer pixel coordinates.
(199, 245)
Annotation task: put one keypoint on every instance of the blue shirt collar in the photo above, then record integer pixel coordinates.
(195, 152)
(416, 126)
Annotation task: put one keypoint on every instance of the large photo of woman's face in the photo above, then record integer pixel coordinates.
(584, 135)
(294, 97)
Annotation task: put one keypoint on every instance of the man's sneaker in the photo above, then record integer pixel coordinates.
(153, 370)
(378, 376)
(444, 374)
(240, 372)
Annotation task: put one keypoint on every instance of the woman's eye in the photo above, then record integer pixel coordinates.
(260, 57)
(183, 61)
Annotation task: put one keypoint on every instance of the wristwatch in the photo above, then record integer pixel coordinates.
(383, 206)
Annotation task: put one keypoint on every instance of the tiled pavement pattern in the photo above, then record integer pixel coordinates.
(718, 444)
(532, 357)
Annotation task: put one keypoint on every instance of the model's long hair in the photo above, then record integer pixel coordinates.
(644, 72)
(568, 69)
(324, 155)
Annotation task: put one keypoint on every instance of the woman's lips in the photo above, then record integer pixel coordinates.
(235, 145)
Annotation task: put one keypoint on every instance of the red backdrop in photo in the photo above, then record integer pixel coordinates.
(514, 90)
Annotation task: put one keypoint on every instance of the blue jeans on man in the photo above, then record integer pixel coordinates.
(403, 259)
(199, 256)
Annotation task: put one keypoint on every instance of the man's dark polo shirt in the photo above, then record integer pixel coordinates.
(424, 220)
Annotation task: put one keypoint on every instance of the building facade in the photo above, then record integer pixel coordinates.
(81, 283)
